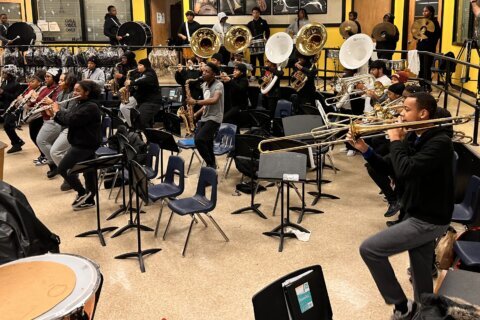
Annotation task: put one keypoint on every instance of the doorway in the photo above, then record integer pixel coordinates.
(370, 15)
(166, 17)
(415, 12)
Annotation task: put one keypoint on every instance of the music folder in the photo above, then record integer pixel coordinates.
(299, 297)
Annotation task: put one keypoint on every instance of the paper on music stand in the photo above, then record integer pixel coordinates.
(43, 25)
(53, 26)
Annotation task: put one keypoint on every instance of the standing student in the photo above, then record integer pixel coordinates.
(260, 30)
(238, 94)
(188, 28)
(111, 25)
(221, 28)
(3, 29)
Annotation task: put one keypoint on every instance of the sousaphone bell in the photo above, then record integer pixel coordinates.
(205, 43)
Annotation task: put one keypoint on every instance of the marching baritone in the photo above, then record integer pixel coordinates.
(306, 95)
(271, 98)
(260, 30)
(111, 26)
(212, 113)
(221, 28)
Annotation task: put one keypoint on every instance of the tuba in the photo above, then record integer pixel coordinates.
(205, 42)
(277, 49)
(310, 41)
(237, 39)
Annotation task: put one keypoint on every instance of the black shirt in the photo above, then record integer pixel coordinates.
(3, 33)
(307, 93)
(430, 44)
(195, 90)
(192, 27)
(259, 27)
(11, 90)
(110, 28)
(146, 87)
(422, 168)
(84, 124)
(238, 93)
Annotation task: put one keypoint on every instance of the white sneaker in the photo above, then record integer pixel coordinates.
(351, 153)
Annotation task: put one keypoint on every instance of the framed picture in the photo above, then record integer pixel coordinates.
(205, 7)
(285, 7)
(314, 6)
(464, 27)
(264, 5)
(233, 7)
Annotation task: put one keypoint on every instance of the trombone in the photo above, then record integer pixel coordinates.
(357, 131)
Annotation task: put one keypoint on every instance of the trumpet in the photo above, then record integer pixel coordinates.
(223, 75)
(347, 86)
(190, 67)
(324, 134)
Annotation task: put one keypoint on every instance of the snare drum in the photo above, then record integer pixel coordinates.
(257, 47)
(80, 303)
(135, 33)
(397, 65)
(24, 33)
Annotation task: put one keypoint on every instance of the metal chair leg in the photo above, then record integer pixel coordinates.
(229, 165)
(203, 221)
(168, 225)
(113, 184)
(188, 236)
(159, 217)
(217, 226)
(190, 163)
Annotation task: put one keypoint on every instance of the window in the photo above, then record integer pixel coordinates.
(463, 28)
(13, 11)
(66, 13)
(75, 24)
(95, 11)
(420, 4)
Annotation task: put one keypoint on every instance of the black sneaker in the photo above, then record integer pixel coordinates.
(393, 208)
(52, 172)
(15, 148)
(65, 186)
(40, 161)
(392, 223)
(412, 309)
(85, 205)
(80, 199)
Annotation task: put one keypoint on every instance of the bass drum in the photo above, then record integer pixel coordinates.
(135, 34)
(24, 34)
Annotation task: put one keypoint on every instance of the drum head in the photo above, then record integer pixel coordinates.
(23, 32)
(135, 34)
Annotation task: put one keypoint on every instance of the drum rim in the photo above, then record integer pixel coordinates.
(77, 303)
(148, 37)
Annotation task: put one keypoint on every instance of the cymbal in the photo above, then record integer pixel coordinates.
(419, 27)
(382, 30)
(347, 26)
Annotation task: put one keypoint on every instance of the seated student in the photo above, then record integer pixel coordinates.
(238, 93)
(190, 71)
(400, 77)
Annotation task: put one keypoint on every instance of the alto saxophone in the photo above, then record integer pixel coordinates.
(124, 92)
(187, 114)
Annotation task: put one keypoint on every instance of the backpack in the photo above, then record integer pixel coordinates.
(21, 233)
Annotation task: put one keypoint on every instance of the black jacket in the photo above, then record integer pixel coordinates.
(423, 173)
(110, 28)
(3, 33)
(258, 28)
(84, 124)
(192, 27)
(239, 93)
(11, 90)
(146, 88)
(307, 93)
(195, 90)
(430, 44)
(275, 91)
(390, 42)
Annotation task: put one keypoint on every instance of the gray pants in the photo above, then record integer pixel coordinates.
(125, 109)
(47, 136)
(60, 147)
(412, 235)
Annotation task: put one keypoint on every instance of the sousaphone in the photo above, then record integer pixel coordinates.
(278, 49)
(205, 42)
(237, 39)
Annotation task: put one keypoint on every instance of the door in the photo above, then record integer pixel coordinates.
(161, 20)
(370, 13)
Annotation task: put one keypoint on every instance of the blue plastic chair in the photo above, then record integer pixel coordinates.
(153, 161)
(224, 143)
(467, 211)
(189, 143)
(168, 188)
(198, 204)
(106, 129)
(468, 252)
(284, 108)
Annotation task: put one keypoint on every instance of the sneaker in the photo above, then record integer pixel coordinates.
(80, 199)
(85, 205)
(40, 161)
(65, 186)
(52, 172)
(15, 148)
(393, 208)
(412, 309)
(351, 153)
(392, 223)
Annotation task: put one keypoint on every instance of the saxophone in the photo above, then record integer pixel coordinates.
(187, 114)
(124, 92)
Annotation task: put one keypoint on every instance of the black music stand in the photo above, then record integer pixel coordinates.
(285, 167)
(140, 183)
(165, 141)
(94, 165)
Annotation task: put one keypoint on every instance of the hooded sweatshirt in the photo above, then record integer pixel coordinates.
(110, 28)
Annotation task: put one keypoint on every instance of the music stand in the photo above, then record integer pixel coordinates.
(284, 167)
(140, 183)
(165, 141)
(94, 165)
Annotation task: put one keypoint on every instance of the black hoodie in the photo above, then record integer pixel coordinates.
(110, 28)
(422, 168)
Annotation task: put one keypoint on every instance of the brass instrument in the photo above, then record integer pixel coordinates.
(386, 110)
(124, 92)
(357, 130)
(223, 75)
(310, 41)
(420, 26)
(347, 86)
(278, 49)
(348, 28)
(21, 99)
(205, 43)
(237, 39)
(187, 114)
(113, 84)
(192, 67)
(382, 31)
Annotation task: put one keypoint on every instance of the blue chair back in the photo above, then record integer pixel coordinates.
(472, 195)
(130, 152)
(225, 139)
(283, 109)
(208, 177)
(106, 127)
(176, 165)
(153, 154)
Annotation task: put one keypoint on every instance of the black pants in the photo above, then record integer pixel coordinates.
(9, 126)
(271, 105)
(225, 55)
(253, 61)
(147, 111)
(383, 182)
(425, 73)
(73, 156)
(34, 128)
(204, 140)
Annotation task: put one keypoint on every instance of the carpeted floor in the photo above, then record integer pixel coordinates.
(216, 279)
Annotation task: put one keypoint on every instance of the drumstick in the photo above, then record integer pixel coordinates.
(16, 38)
(126, 35)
